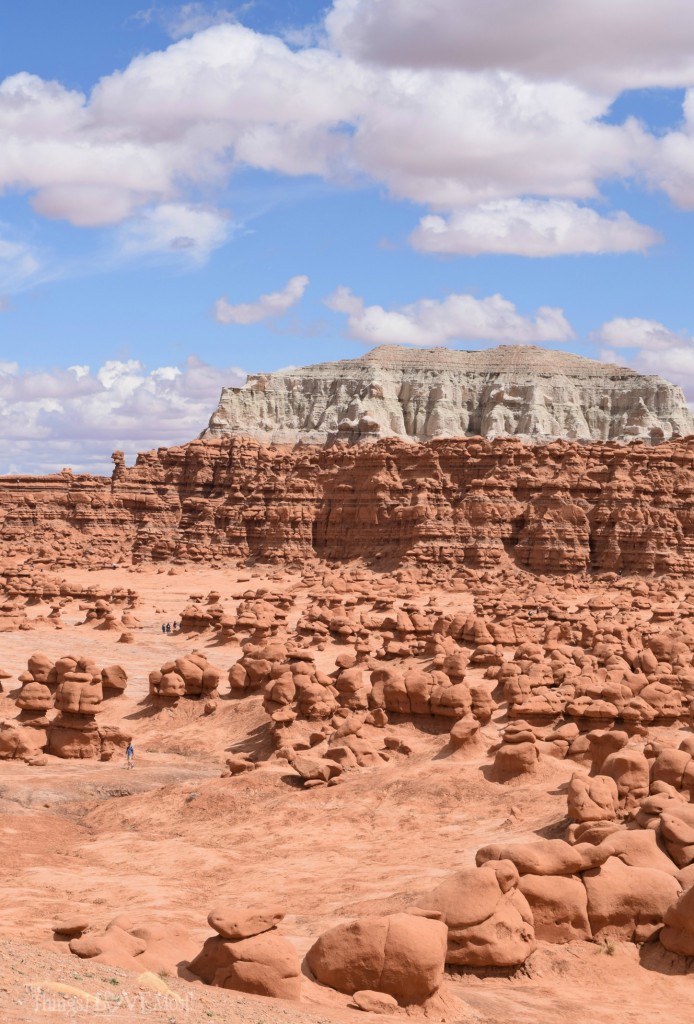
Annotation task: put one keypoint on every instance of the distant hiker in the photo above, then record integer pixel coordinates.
(129, 750)
(163, 628)
(168, 627)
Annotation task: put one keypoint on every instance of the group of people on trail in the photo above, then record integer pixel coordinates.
(166, 627)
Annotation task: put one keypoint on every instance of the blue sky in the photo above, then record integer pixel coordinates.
(192, 191)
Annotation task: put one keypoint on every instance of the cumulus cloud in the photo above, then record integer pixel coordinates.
(671, 165)
(228, 96)
(267, 307)
(77, 416)
(512, 114)
(651, 348)
(634, 332)
(175, 228)
(531, 227)
(429, 322)
(605, 44)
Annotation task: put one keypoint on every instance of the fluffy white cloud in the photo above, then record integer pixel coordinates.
(190, 231)
(671, 163)
(190, 114)
(651, 348)
(429, 322)
(267, 307)
(77, 417)
(633, 332)
(605, 44)
(531, 227)
(517, 113)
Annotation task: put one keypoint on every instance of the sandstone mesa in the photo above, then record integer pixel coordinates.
(422, 394)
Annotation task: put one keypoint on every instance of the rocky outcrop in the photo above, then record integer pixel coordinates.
(555, 508)
(420, 394)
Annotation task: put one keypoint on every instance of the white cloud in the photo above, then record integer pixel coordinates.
(500, 123)
(633, 332)
(429, 322)
(671, 165)
(267, 306)
(606, 44)
(87, 206)
(531, 227)
(77, 417)
(189, 115)
(175, 228)
(652, 348)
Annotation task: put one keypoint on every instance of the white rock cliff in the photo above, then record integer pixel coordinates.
(418, 394)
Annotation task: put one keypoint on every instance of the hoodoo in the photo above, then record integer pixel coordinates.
(420, 394)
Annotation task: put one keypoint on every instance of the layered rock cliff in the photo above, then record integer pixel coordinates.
(554, 508)
(421, 394)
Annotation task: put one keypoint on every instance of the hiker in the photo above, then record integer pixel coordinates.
(163, 628)
(168, 627)
(130, 752)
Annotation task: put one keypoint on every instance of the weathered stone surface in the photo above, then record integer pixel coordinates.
(425, 393)
(467, 502)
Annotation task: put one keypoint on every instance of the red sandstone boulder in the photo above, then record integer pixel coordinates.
(489, 921)
(401, 955)
(264, 965)
(242, 923)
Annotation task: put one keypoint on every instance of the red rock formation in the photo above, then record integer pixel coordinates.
(560, 507)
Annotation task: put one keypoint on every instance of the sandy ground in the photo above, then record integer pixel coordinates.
(169, 839)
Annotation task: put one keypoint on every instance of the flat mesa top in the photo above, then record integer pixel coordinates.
(500, 359)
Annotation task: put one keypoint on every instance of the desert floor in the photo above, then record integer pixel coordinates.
(168, 840)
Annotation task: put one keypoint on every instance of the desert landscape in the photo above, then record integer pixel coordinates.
(410, 727)
(346, 512)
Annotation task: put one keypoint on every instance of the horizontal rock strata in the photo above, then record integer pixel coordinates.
(555, 508)
(420, 394)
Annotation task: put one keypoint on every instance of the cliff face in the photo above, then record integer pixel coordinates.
(421, 394)
(554, 508)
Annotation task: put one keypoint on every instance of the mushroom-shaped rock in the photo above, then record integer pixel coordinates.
(402, 955)
(518, 753)
(79, 693)
(464, 735)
